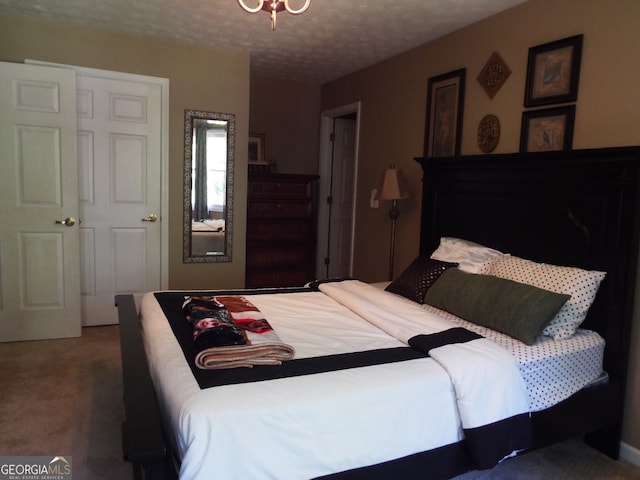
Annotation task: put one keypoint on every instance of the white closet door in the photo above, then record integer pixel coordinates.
(119, 150)
(39, 239)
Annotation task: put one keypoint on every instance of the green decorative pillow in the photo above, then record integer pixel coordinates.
(519, 310)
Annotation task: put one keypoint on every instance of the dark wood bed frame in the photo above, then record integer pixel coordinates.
(576, 208)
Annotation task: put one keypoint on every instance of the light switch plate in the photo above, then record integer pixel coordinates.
(373, 203)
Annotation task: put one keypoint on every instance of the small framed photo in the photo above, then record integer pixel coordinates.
(256, 148)
(553, 72)
(445, 106)
(548, 129)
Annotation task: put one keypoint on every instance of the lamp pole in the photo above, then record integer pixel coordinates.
(393, 214)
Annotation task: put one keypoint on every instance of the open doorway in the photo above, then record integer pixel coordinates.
(339, 132)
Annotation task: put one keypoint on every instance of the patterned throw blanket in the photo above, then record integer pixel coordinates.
(229, 332)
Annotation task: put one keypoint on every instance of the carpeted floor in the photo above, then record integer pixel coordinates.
(565, 461)
(64, 397)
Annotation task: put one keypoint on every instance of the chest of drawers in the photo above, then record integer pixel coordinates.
(281, 240)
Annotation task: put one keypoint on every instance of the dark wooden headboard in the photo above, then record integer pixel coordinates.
(577, 208)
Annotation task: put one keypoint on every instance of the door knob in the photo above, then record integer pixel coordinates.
(151, 218)
(68, 222)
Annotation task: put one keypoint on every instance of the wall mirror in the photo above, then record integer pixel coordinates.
(209, 142)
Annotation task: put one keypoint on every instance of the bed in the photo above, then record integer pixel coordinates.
(567, 209)
(207, 236)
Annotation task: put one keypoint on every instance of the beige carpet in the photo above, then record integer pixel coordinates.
(570, 460)
(64, 397)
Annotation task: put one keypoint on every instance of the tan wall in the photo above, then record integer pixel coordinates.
(393, 96)
(200, 78)
(288, 114)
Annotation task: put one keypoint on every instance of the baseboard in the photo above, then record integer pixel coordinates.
(629, 453)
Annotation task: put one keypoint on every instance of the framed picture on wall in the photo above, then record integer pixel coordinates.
(445, 106)
(553, 72)
(548, 129)
(256, 148)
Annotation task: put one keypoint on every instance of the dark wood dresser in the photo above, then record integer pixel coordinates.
(281, 230)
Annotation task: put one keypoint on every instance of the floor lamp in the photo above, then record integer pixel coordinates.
(393, 186)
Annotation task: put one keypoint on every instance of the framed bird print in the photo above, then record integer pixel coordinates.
(553, 71)
(547, 129)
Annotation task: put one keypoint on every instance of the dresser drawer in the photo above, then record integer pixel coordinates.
(285, 231)
(271, 189)
(278, 278)
(279, 256)
(257, 210)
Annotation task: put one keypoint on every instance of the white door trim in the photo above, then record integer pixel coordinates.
(324, 170)
(164, 155)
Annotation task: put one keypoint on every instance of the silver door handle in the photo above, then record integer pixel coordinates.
(151, 218)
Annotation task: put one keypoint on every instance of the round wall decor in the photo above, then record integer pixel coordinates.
(488, 133)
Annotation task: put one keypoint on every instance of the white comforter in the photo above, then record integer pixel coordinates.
(304, 427)
(472, 366)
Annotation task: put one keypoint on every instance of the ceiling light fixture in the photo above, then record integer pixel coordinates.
(273, 7)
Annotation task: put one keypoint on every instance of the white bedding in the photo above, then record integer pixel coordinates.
(360, 416)
(288, 443)
(403, 319)
(207, 226)
(553, 370)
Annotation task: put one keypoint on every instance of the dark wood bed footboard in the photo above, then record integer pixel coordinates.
(143, 439)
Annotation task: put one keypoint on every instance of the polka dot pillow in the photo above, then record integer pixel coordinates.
(582, 285)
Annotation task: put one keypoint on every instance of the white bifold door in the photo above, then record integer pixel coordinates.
(83, 153)
(39, 239)
(119, 161)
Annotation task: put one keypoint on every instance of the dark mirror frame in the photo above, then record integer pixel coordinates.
(189, 117)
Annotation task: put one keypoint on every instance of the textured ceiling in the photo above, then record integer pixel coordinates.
(333, 38)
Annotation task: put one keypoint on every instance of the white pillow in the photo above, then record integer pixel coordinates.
(582, 285)
(470, 256)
